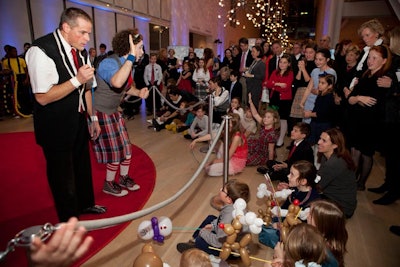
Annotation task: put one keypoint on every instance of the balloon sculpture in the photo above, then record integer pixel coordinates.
(148, 258)
(232, 231)
(291, 219)
(156, 229)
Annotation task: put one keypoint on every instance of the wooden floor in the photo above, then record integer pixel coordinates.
(370, 242)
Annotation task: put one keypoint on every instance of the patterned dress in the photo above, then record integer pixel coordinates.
(258, 147)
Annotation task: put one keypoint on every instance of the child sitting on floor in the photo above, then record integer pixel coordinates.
(305, 247)
(199, 125)
(210, 233)
(302, 183)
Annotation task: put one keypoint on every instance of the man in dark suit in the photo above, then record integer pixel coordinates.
(277, 50)
(300, 149)
(245, 61)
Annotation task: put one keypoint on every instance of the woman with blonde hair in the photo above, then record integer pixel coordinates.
(371, 32)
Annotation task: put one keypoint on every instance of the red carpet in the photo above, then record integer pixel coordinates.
(26, 198)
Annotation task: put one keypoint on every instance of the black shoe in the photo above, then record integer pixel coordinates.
(395, 229)
(157, 127)
(279, 146)
(182, 128)
(96, 209)
(386, 199)
(262, 170)
(379, 190)
(182, 247)
(188, 136)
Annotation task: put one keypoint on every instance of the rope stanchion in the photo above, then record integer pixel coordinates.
(226, 149)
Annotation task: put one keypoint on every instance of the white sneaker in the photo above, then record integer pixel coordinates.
(150, 121)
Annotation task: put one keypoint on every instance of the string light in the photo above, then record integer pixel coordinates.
(267, 15)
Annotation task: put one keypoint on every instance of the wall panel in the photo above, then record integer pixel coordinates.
(105, 27)
(124, 22)
(140, 6)
(124, 3)
(17, 32)
(154, 8)
(45, 20)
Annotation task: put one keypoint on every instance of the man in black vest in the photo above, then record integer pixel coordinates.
(59, 73)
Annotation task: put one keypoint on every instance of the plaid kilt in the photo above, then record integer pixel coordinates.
(113, 143)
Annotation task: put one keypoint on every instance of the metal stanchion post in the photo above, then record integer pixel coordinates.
(210, 122)
(154, 88)
(226, 149)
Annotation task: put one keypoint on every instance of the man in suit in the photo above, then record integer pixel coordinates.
(59, 72)
(245, 61)
(277, 50)
(300, 149)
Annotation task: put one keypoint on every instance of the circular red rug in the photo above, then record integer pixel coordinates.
(26, 198)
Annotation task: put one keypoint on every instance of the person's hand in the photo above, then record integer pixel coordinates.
(366, 100)
(250, 99)
(144, 93)
(282, 186)
(346, 92)
(278, 167)
(307, 113)
(208, 227)
(302, 65)
(135, 50)
(85, 74)
(337, 98)
(279, 254)
(301, 104)
(384, 81)
(67, 245)
(94, 130)
(193, 144)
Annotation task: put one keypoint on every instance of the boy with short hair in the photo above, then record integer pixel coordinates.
(300, 149)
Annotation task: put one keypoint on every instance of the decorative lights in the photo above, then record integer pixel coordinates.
(268, 15)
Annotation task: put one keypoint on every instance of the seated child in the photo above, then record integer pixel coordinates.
(237, 151)
(330, 220)
(181, 117)
(300, 150)
(302, 183)
(248, 123)
(168, 114)
(199, 125)
(198, 258)
(210, 233)
(305, 247)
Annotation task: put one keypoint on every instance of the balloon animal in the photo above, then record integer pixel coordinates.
(148, 258)
(232, 231)
(156, 229)
(290, 220)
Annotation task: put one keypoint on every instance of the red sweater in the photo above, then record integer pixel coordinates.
(285, 93)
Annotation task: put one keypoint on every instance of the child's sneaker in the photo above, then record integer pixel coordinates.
(128, 183)
(112, 188)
